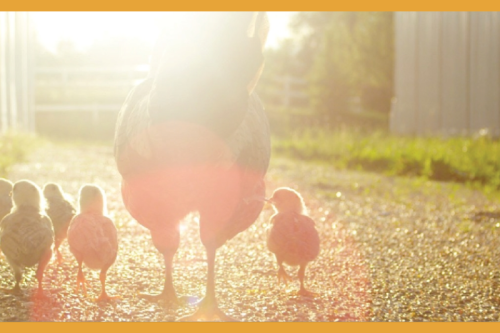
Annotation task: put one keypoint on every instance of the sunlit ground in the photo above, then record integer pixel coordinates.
(246, 271)
(392, 249)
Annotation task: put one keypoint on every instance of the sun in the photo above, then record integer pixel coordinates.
(83, 28)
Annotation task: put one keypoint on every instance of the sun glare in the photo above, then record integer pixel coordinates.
(83, 28)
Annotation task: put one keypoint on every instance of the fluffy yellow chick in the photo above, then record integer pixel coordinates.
(92, 237)
(292, 236)
(60, 211)
(26, 234)
(5, 197)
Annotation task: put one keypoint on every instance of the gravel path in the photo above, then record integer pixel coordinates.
(393, 249)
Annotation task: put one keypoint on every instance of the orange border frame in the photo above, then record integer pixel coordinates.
(198, 5)
(225, 5)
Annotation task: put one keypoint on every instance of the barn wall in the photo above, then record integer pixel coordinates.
(16, 72)
(428, 73)
(449, 70)
(405, 120)
(455, 73)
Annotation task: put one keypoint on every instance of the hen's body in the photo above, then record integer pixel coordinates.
(175, 162)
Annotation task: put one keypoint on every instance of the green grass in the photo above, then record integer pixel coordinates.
(13, 149)
(475, 161)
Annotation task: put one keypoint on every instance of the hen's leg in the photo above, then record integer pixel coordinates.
(104, 295)
(168, 294)
(208, 308)
(41, 268)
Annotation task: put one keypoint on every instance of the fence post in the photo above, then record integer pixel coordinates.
(286, 91)
(3, 72)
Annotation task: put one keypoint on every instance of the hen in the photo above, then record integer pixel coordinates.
(292, 236)
(26, 234)
(5, 197)
(60, 211)
(194, 137)
(92, 238)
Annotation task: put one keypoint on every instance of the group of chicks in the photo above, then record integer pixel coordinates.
(28, 231)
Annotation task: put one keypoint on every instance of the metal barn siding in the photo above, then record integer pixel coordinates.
(447, 74)
(16, 72)
(455, 73)
(405, 120)
(428, 73)
(485, 72)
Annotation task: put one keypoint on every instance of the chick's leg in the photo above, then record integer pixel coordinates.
(40, 270)
(282, 273)
(80, 279)
(59, 257)
(303, 291)
(104, 295)
(208, 308)
(18, 276)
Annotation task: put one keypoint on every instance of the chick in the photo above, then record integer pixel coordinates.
(5, 197)
(26, 234)
(60, 211)
(292, 236)
(92, 237)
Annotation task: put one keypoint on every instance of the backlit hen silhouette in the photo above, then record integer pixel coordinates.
(194, 137)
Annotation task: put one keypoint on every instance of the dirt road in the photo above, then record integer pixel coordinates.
(392, 249)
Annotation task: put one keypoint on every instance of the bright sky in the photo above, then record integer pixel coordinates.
(84, 27)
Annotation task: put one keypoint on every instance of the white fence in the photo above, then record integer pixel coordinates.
(84, 79)
(447, 74)
(25, 89)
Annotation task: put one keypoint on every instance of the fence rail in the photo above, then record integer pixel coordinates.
(75, 78)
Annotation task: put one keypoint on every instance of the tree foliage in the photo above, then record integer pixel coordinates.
(346, 57)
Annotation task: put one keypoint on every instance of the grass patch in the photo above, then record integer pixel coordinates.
(13, 149)
(474, 161)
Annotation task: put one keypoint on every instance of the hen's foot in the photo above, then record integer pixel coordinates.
(170, 298)
(207, 311)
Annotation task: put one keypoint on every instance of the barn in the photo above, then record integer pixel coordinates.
(447, 73)
(16, 72)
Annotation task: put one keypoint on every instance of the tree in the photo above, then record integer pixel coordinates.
(347, 55)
